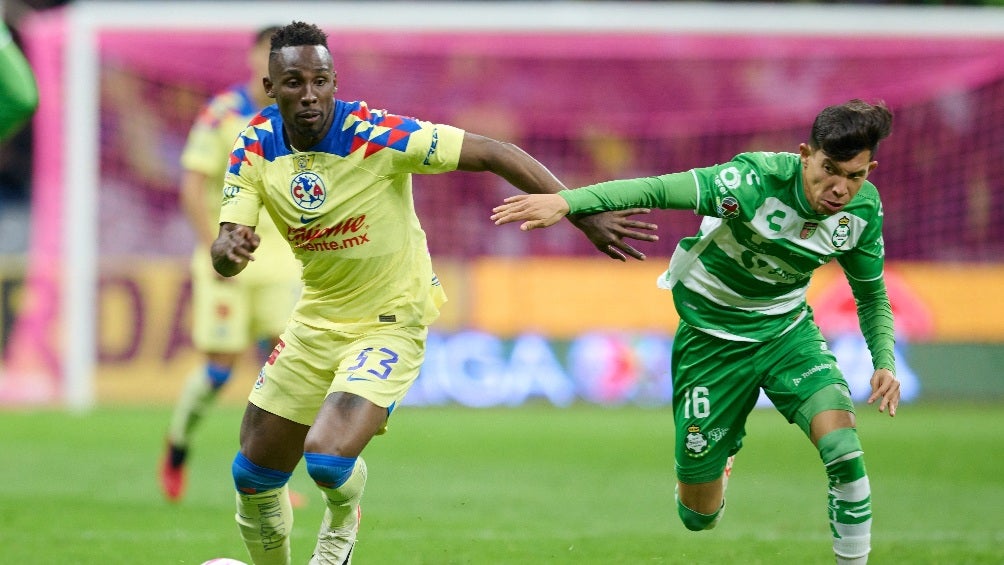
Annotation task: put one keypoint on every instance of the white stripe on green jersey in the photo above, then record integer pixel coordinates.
(745, 274)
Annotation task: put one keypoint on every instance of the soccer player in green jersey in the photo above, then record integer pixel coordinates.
(770, 220)
(228, 315)
(336, 178)
(18, 88)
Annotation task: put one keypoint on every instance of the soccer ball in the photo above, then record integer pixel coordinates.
(223, 561)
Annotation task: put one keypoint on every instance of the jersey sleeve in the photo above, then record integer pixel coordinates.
(732, 190)
(396, 144)
(876, 321)
(867, 260)
(435, 148)
(674, 191)
(863, 266)
(242, 184)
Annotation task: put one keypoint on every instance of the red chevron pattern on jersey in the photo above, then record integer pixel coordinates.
(384, 131)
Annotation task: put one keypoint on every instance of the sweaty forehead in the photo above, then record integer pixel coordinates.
(315, 58)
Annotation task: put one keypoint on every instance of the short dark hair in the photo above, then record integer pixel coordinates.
(844, 130)
(296, 34)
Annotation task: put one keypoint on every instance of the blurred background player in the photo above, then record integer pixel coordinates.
(18, 89)
(228, 315)
(739, 285)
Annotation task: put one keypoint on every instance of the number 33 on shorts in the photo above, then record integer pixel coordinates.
(372, 364)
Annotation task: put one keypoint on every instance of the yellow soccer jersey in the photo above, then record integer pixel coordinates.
(345, 207)
(207, 151)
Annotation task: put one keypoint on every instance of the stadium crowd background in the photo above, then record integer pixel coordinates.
(16, 153)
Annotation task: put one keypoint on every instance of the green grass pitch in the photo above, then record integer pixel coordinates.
(529, 485)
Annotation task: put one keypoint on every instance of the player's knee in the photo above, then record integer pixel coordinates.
(695, 521)
(839, 445)
(218, 375)
(843, 457)
(250, 478)
(329, 471)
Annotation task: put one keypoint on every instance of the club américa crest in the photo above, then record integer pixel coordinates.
(307, 190)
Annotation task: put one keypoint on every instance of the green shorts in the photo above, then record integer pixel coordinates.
(716, 383)
(310, 363)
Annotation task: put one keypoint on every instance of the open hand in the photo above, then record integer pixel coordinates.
(607, 231)
(885, 386)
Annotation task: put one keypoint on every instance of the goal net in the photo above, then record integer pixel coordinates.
(594, 90)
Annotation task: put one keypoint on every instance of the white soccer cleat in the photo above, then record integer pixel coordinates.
(335, 545)
(336, 542)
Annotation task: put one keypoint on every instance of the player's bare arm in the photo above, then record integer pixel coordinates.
(233, 248)
(606, 230)
(885, 385)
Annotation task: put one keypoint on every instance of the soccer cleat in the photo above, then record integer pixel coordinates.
(172, 473)
(335, 545)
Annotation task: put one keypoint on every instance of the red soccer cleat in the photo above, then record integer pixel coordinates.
(172, 473)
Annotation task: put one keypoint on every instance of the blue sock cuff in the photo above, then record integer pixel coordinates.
(329, 471)
(250, 478)
(218, 375)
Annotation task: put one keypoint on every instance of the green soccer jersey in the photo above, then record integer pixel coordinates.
(18, 88)
(744, 275)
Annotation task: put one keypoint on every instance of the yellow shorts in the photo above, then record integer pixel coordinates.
(310, 363)
(228, 315)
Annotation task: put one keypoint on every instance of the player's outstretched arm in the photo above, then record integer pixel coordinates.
(885, 386)
(233, 248)
(607, 230)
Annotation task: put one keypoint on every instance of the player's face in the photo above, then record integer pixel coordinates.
(302, 82)
(829, 185)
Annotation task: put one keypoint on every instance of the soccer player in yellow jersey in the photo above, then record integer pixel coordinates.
(228, 315)
(336, 178)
